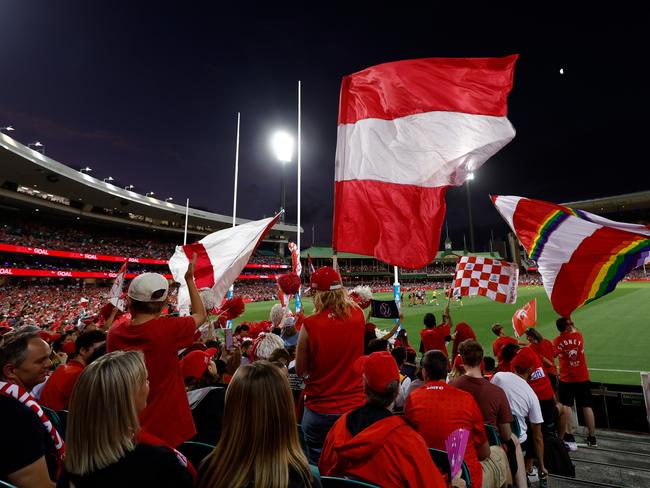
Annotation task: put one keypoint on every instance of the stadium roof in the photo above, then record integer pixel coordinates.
(616, 203)
(23, 166)
(326, 253)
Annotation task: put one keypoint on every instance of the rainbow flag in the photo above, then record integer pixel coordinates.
(581, 256)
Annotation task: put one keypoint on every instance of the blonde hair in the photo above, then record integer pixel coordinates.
(337, 301)
(103, 420)
(258, 408)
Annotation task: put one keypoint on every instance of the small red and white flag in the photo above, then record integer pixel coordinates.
(221, 256)
(525, 317)
(491, 278)
(407, 131)
(296, 265)
(284, 299)
(118, 285)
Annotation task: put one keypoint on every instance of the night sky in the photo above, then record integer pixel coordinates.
(148, 92)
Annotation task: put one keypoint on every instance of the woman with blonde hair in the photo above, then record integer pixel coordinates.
(331, 340)
(259, 446)
(104, 443)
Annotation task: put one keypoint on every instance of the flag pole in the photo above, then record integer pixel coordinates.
(231, 290)
(187, 212)
(397, 294)
(298, 301)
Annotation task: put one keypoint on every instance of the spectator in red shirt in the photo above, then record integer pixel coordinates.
(435, 336)
(437, 409)
(574, 379)
(373, 445)
(501, 340)
(331, 340)
(58, 388)
(462, 332)
(168, 414)
(546, 353)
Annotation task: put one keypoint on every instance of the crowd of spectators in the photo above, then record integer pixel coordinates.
(134, 395)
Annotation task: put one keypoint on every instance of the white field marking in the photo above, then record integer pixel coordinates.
(615, 370)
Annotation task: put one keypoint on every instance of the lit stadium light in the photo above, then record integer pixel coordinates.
(110, 178)
(168, 199)
(282, 145)
(149, 194)
(86, 169)
(129, 187)
(35, 144)
(8, 128)
(470, 175)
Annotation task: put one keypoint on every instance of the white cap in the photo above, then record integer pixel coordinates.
(147, 287)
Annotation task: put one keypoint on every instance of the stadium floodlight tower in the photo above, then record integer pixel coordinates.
(8, 128)
(87, 169)
(33, 145)
(110, 178)
(129, 187)
(282, 144)
(149, 194)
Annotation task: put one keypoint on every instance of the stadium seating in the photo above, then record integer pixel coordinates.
(196, 452)
(55, 419)
(492, 435)
(334, 482)
(441, 460)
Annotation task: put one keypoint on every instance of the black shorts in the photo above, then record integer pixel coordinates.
(553, 379)
(549, 413)
(580, 391)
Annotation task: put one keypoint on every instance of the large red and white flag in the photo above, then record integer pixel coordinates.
(525, 317)
(118, 285)
(221, 256)
(407, 131)
(296, 265)
(491, 278)
(581, 256)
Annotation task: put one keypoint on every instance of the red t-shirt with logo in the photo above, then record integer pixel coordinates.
(58, 389)
(545, 349)
(570, 349)
(434, 338)
(167, 415)
(335, 343)
(539, 381)
(436, 409)
(500, 343)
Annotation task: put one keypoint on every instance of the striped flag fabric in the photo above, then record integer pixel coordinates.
(408, 130)
(525, 317)
(491, 278)
(221, 256)
(580, 256)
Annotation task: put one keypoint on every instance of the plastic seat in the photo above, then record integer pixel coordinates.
(63, 417)
(55, 419)
(196, 452)
(334, 482)
(516, 428)
(441, 460)
(492, 435)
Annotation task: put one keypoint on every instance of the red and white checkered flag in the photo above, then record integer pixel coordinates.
(491, 278)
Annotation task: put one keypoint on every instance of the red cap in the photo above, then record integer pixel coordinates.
(379, 369)
(195, 363)
(523, 360)
(325, 279)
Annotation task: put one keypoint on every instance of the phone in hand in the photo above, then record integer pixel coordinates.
(228, 334)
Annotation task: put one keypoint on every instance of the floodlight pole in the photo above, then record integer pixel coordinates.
(231, 290)
(298, 301)
(471, 221)
(187, 212)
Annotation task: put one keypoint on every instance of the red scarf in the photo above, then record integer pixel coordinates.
(12, 390)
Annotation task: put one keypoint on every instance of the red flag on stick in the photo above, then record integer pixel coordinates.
(525, 317)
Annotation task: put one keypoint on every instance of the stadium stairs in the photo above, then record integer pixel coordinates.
(620, 460)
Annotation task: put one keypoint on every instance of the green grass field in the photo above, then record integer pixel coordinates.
(615, 327)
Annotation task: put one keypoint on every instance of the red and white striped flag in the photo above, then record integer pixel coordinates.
(118, 285)
(491, 278)
(525, 317)
(407, 131)
(296, 265)
(221, 256)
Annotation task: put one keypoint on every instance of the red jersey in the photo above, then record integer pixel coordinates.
(539, 381)
(437, 409)
(434, 338)
(500, 342)
(58, 389)
(463, 332)
(570, 349)
(545, 349)
(387, 453)
(332, 386)
(167, 415)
